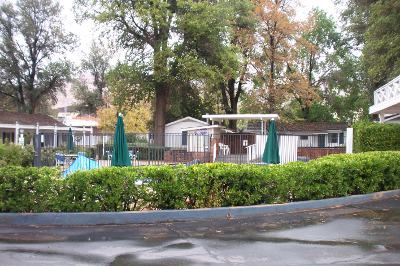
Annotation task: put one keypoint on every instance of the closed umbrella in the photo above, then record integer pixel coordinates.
(271, 151)
(70, 141)
(120, 155)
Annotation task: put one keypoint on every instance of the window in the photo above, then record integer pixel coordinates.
(8, 137)
(333, 137)
(341, 138)
(304, 137)
(184, 138)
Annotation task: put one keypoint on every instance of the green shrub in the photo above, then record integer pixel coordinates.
(11, 154)
(205, 185)
(27, 189)
(108, 189)
(376, 137)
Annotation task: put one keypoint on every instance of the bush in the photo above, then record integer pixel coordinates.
(11, 154)
(204, 185)
(27, 189)
(376, 137)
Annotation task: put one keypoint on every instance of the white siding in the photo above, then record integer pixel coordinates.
(173, 133)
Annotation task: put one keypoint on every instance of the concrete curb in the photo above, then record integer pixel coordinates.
(119, 218)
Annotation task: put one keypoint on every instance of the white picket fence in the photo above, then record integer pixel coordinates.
(287, 148)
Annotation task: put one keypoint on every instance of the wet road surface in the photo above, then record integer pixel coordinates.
(359, 234)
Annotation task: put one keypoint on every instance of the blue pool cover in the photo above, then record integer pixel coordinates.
(81, 163)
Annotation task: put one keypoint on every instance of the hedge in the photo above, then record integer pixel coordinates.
(376, 137)
(205, 185)
(11, 154)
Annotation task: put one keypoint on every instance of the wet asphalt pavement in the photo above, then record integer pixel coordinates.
(360, 234)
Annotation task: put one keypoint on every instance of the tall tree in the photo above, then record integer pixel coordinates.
(280, 40)
(144, 27)
(32, 37)
(356, 19)
(234, 62)
(155, 34)
(374, 26)
(381, 52)
(91, 93)
(88, 99)
(97, 64)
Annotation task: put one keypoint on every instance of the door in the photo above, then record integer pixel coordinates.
(321, 141)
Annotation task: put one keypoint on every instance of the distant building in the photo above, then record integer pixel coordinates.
(76, 120)
(20, 128)
(176, 131)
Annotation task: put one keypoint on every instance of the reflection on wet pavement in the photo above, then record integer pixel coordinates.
(369, 237)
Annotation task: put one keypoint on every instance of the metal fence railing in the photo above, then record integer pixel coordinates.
(189, 148)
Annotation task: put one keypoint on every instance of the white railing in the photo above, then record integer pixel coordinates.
(387, 91)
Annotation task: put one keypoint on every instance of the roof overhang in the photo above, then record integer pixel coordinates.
(202, 128)
(388, 107)
(186, 118)
(221, 117)
(52, 128)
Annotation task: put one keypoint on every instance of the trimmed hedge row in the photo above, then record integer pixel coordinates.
(370, 136)
(206, 185)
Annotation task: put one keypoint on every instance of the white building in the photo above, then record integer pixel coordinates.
(387, 102)
(176, 132)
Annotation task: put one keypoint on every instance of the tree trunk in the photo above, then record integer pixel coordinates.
(161, 103)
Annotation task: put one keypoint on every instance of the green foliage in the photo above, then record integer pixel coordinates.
(88, 100)
(33, 40)
(320, 113)
(376, 137)
(198, 186)
(381, 53)
(26, 189)
(16, 155)
(108, 189)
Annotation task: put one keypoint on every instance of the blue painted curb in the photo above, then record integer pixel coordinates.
(140, 217)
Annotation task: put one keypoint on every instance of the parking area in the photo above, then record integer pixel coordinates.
(365, 234)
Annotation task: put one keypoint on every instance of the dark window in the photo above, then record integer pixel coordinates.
(321, 141)
(184, 138)
(8, 137)
(333, 137)
(304, 137)
(341, 138)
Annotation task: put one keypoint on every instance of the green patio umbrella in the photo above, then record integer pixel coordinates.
(70, 141)
(271, 151)
(120, 155)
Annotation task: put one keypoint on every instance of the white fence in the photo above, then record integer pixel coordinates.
(287, 148)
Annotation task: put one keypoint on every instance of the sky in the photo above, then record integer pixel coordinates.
(86, 31)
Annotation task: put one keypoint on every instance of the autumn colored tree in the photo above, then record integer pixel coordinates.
(136, 120)
(279, 41)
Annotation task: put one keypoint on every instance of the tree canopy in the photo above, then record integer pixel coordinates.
(32, 41)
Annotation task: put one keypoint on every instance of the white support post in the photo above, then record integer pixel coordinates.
(214, 152)
(103, 145)
(381, 118)
(91, 137)
(84, 137)
(349, 140)
(55, 136)
(16, 133)
(262, 127)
